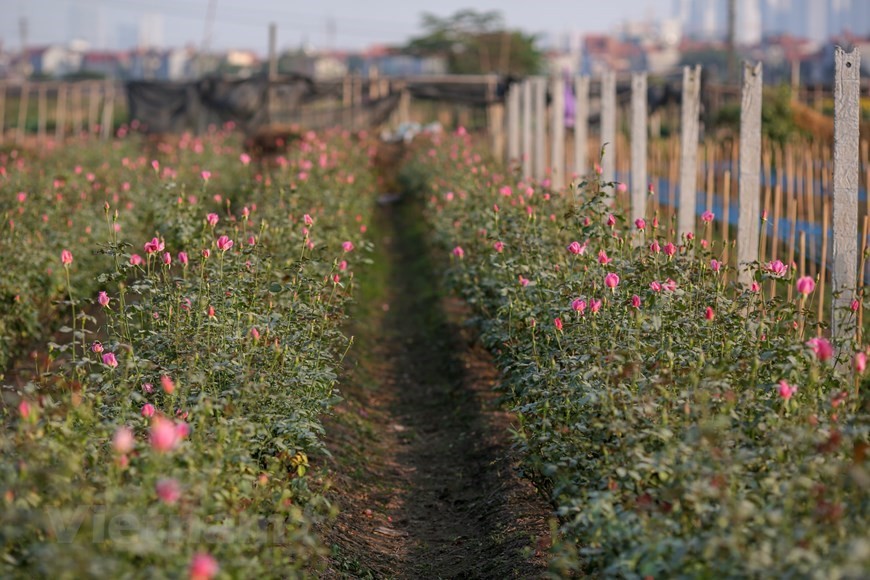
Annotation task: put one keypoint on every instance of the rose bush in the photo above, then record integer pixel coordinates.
(682, 425)
(171, 434)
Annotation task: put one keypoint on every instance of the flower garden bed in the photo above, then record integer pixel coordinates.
(683, 426)
(196, 299)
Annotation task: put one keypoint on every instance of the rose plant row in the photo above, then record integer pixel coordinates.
(201, 297)
(683, 426)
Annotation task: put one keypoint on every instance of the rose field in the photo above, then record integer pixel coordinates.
(221, 365)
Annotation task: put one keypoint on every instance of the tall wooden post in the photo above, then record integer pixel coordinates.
(847, 94)
(495, 117)
(513, 115)
(2, 112)
(581, 125)
(749, 192)
(527, 128)
(23, 105)
(41, 112)
(60, 113)
(638, 145)
(77, 109)
(608, 126)
(689, 149)
(93, 106)
(557, 147)
(108, 111)
(540, 150)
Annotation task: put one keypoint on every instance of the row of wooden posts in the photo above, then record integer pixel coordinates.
(527, 147)
(86, 107)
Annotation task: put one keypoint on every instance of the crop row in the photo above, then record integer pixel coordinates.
(196, 298)
(682, 426)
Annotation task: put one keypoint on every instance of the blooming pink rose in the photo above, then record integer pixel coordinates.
(347, 246)
(821, 348)
(203, 567)
(103, 298)
(635, 301)
(576, 249)
(164, 436)
(182, 257)
(167, 384)
(168, 490)
(136, 260)
(578, 305)
(603, 259)
(110, 360)
(224, 243)
(777, 268)
(212, 219)
(611, 280)
(670, 249)
(707, 216)
(715, 265)
(655, 286)
(123, 440)
(458, 252)
(594, 305)
(148, 409)
(640, 224)
(155, 245)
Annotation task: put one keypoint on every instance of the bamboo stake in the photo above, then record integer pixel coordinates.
(803, 254)
(23, 105)
(774, 241)
(823, 267)
(726, 214)
(792, 229)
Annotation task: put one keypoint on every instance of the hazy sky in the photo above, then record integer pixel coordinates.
(243, 23)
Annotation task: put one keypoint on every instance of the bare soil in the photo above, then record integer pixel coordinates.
(422, 466)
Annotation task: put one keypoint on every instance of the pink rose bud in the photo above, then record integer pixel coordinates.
(707, 216)
(709, 314)
(167, 384)
(66, 257)
(860, 362)
(347, 246)
(148, 409)
(611, 280)
(786, 391)
(635, 301)
(136, 260)
(578, 305)
(458, 252)
(109, 360)
(558, 323)
(212, 219)
(640, 224)
(805, 285)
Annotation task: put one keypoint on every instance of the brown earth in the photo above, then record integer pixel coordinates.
(422, 466)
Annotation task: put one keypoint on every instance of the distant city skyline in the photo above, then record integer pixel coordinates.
(350, 24)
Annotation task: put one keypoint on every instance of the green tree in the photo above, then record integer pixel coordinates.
(475, 42)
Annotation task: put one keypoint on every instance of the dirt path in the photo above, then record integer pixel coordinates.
(422, 465)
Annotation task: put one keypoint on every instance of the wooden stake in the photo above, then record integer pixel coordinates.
(823, 268)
